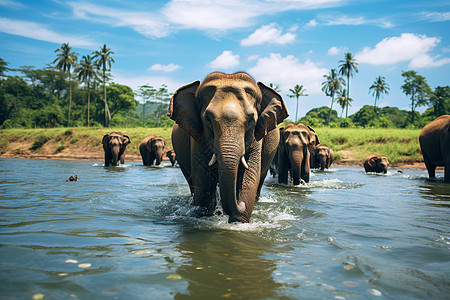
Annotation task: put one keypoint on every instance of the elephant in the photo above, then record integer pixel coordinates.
(152, 150)
(172, 157)
(297, 141)
(434, 142)
(376, 163)
(114, 145)
(322, 157)
(224, 135)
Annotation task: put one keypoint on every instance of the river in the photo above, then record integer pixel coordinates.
(129, 232)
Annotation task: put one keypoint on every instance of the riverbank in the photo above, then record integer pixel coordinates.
(350, 145)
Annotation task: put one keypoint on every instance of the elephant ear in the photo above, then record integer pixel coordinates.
(185, 111)
(105, 139)
(126, 140)
(271, 113)
(372, 162)
(313, 139)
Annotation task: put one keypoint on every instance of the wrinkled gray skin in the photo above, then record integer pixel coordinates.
(224, 135)
(376, 163)
(152, 150)
(435, 145)
(114, 145)
(172, 157)
(322, 157)
(297, 141)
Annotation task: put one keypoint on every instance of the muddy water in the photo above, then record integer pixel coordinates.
(129, 232)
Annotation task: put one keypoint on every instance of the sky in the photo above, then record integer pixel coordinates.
(283, 42)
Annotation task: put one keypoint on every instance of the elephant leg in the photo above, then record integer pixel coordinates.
(430, 167)
(122, 159)
(268, 151)
(108, 158)
(447, 172)
(305, 168)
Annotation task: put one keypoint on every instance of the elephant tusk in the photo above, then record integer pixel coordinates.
(212, 161)
(244, 162)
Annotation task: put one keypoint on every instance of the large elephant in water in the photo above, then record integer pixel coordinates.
(322, 157)
(152, 150)
(114, 145)
(376, 163)
(224, 134)
(435, 145)
(297, 141)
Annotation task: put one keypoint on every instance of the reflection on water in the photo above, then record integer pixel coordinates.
(130, 232)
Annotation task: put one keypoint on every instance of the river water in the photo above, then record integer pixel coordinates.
(129, 232)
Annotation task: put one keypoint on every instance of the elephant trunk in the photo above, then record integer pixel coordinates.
(322, 162)
(159, 155)
(296, 158)
(115, 150)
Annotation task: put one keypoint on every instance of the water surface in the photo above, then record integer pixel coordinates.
(129, 232)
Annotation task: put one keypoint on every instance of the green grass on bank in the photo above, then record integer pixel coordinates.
(399, 145)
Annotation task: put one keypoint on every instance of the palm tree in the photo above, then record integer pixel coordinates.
(379, 87)
(344, 102)
(86, 73)
(103, 58)
(276, 88)
(332, 85)
(348, 67)
(297, 92)
(65, 60)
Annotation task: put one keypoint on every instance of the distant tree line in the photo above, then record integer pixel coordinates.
(415, 87)
(68, 93)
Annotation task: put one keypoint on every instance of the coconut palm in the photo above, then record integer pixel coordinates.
(276, 88)
(378, 88)
(344, 102)
(348, 66)
(104, 58)
(86, 72)
(332, 85)
(297, 92)
(64, 61)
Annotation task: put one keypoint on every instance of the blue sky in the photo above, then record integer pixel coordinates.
(284, 42)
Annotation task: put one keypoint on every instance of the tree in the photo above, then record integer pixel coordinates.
(121, 98)
(86, 72)
(417, 88)
(146, 92)
(344, 102)
(348, 67)
(438, 99)
(276, 88)
(297, 92)
(104, 58)
(3, 67)
(332, 85)
(378, 88)
(64, 61)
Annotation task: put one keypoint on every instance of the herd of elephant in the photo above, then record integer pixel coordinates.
(226, 134)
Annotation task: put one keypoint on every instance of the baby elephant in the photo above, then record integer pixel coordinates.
(376, 163)
(322, 157)
(172, 157)
(151, 149)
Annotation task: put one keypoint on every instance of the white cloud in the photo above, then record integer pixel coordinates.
(11, 4)
(436, 16)
(407, 47)
(332, 20)
(165, 68)
(270, 34)
(253, 57)
(149, 24)
(289, 71)
(155, 81)
(226, 60)
(334, 51)
(42, 33)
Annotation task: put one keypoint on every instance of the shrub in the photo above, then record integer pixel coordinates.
(39, 141)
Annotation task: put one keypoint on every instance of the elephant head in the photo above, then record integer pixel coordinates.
(377, 163)
(172, 156)
(156, 147)
(228, 115)
(323, 156)
(114, 145)
(297, 142)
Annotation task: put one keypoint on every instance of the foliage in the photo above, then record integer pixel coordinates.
(417, 88)
(332, 85)
(348, 66)
(104, 58)
(319, 116)
(297, 92)
(378, 88)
